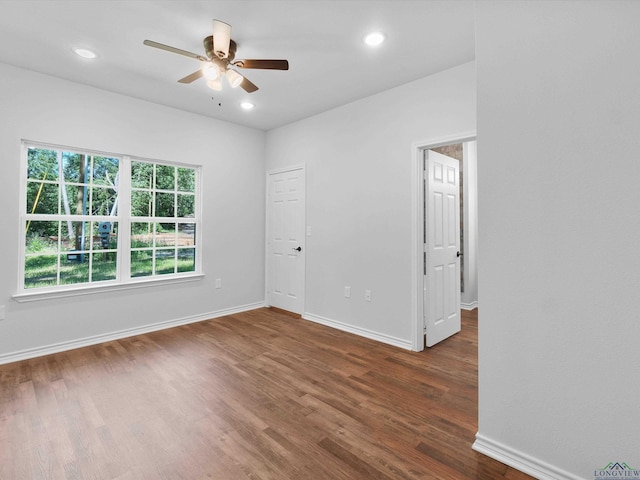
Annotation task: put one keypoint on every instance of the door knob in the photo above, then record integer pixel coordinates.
(299, 249)
(459, 254)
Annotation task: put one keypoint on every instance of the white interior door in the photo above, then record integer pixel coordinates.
(285, 240)
(442, 247)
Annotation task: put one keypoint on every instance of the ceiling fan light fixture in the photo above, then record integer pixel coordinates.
(234, 78)
(247, 105)
(215, 84)
(374, 39)
(210, 71)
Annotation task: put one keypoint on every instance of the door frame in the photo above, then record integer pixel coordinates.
(266, 232)
(417, 213)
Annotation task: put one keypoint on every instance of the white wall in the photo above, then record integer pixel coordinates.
(359, 186)
(558, 143)
(48, 109)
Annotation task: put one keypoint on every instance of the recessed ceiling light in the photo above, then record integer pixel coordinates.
(247, 105)
(374, 39)
(85, 53)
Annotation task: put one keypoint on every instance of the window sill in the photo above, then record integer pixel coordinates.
(93, 289)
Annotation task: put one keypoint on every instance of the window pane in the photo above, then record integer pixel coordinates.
(142, 175)
(141, 234)
(165, 206)
(42, 164)
(104, 235)
(105, 171)
(186, 180)
(104, 266)
(75, 236)
(77, 200)
(41, 237)
(141, 263)
(80, 239)
(186, 234)
(44, 196)
(141, 204)
(103, 200)
(186, 205)
(165, 234)
(41, 271)
(186, 260)
(165, 261)
(74, 271)
(165, 177)
(75, 167)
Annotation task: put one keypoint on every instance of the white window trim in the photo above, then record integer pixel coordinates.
(124, 241)
(89, 289)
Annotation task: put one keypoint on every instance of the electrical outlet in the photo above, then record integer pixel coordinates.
(367, 295)
(218, 283)
(347, 292)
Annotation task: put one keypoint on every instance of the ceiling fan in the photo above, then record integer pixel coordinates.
(220, 52)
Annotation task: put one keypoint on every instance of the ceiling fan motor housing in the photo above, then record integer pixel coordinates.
(208, 47)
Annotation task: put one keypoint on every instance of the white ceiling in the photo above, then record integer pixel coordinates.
(329, 65)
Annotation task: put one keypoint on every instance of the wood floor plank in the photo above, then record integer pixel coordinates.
(260, 395)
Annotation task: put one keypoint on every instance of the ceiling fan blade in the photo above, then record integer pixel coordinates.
(247, 85)
(162, 46)
(192, 77)
(264, 64)
(221, 38)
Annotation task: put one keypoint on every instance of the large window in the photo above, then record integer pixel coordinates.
(103, 219)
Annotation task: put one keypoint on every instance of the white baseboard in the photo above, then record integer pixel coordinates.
(363, 332)
(520, 461)
(469, 306)
(130, 332)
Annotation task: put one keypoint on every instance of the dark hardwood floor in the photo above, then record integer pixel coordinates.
(258, 395)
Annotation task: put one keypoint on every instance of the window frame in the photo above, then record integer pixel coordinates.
(123, 279)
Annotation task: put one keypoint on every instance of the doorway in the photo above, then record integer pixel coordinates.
(441, 253)
(424, 310)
